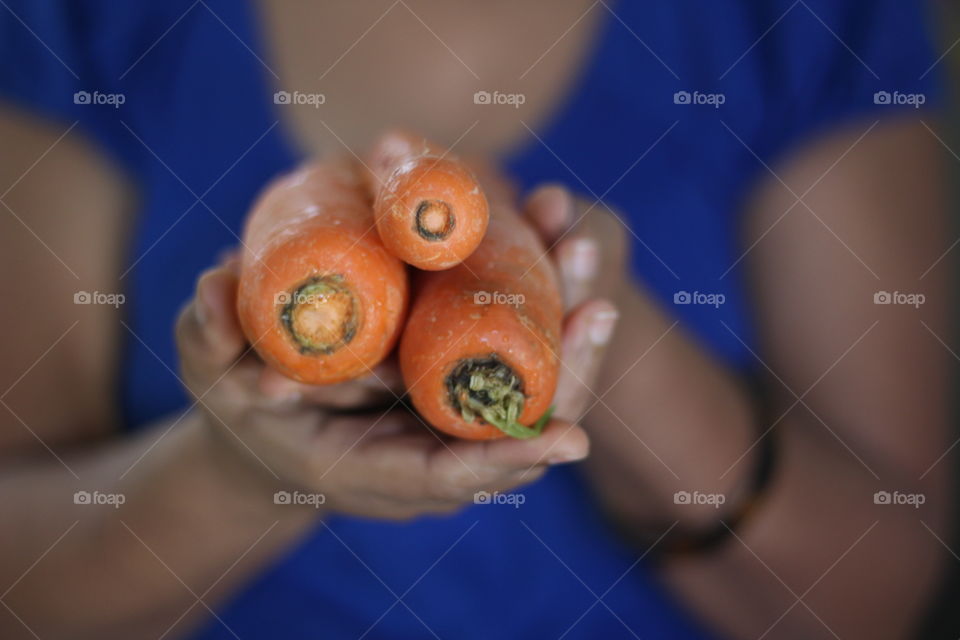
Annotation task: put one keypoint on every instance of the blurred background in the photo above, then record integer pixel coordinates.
(944, 619)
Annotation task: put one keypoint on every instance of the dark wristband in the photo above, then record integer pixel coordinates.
(678, 541)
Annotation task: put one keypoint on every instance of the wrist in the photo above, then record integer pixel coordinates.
(730, 508)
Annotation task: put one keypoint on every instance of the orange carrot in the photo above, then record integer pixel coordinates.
(479, 352)
(430, 211)
(320, 298)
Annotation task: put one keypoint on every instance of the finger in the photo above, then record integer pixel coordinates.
(388, 434)
(609, 232)
(559, 443)
(420, 466)
(230, 259)
(381, 384)
(516, 479)
(208, 333)
(550, 208)
(392, 449)
(586, 334)
(578, 263)
(477, 490)
(345, 395)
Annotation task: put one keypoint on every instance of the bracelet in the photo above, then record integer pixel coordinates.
(678, 542)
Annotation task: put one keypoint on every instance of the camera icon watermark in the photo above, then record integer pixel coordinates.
(697, 98)
(299, 498)
(895, 98)
(896, 297)
(486, 497)
(696, 297)
(299, 98)
(99, 498)
(511, 99)
(897, 498)
(698, 498)
(96, 297)
(95, 97)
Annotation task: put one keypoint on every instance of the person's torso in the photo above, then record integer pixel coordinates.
(526, 570)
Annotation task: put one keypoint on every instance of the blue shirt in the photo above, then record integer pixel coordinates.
(678, 108)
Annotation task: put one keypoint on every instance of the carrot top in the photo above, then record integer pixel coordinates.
(489, 388)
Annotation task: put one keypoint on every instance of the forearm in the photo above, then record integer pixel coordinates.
(678, 421)
(665, 417)
(819, 559)
(186, 518)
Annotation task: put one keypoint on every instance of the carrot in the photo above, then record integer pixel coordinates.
(320, 298)
(430, 211)
(479, 352)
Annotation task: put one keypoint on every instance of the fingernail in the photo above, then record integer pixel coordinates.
(601, 327)
(583, 259)
(564, 458)
(202, 298)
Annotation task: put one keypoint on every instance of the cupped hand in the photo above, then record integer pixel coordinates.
(377, 459)
(382, 463)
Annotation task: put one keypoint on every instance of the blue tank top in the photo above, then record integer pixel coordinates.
(678, 108)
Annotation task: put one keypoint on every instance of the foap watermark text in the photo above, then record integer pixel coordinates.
(699, 297)
(895, 98)
(898, 498)
(99, 498)
(99, 297)
(299, 498)
(299, 97)
(96, 97)
(698, 98)
(498, 297)
(699, 498)
(898, 297)
(486, 497)
(511, 99)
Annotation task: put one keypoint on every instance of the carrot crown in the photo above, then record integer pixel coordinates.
(321, 315)
(488, 387)
(434, 220)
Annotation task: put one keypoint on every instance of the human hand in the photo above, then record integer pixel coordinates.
(279, 434)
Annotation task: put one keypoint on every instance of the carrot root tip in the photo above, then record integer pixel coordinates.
(434, 220)
(321, 315)
(489, 389)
